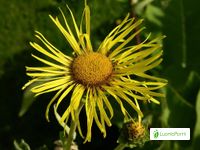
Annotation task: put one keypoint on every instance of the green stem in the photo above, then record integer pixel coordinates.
(121, 146)
(70, 136)
(184, 40)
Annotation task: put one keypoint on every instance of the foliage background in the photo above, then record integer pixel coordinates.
(177, 19)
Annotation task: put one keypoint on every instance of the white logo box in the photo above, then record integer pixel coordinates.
(169, 133)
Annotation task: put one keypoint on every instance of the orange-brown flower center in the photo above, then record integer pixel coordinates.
(92, 68)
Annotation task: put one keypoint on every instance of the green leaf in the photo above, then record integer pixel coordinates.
(182, 113)
(153, 14)
(181, 99)
(177, 105)
(141, 5)
(191, 87)
(20, 24)
(181, 102)
(184, 81)
(182, 29)
(175, 75)
(22, 145)
(28, 99)
(196, 136)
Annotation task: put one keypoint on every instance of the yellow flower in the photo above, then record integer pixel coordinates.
(90, 75)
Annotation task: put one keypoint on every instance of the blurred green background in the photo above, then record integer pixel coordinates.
(177, 19)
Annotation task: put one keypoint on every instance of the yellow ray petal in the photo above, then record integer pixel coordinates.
(127, 40)
(131, 49)
(51, 102)
(53, 89)
(125, 33)
(49, 85)
(110, 91)
(100, 125)
(65, 93)
(103, 113)
(49, 63)
(106, 101)
(129, 92)
(154, 100)
(29, 83)
(129, 57)
(74, 21)
(87, 20)
(43, 51)
(130, 102)
(45, 69)
(76, 98)
(144, 75)
(135, 69)
(113, 33)
(72, 41)
(78, 120)
(88, 43)
(89, 108)
(35, 74)
(67, 25)
(65, 114)
(52, 48)
(142, 90)
(64, 125)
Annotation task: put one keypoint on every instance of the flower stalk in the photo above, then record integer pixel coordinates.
(70, 136)
(121, 146)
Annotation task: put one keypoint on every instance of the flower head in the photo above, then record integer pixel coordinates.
(133, 133)
(90, 75)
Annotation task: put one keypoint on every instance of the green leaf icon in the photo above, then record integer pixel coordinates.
(155, 134)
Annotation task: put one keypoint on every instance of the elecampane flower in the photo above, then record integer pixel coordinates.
(90, 75)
